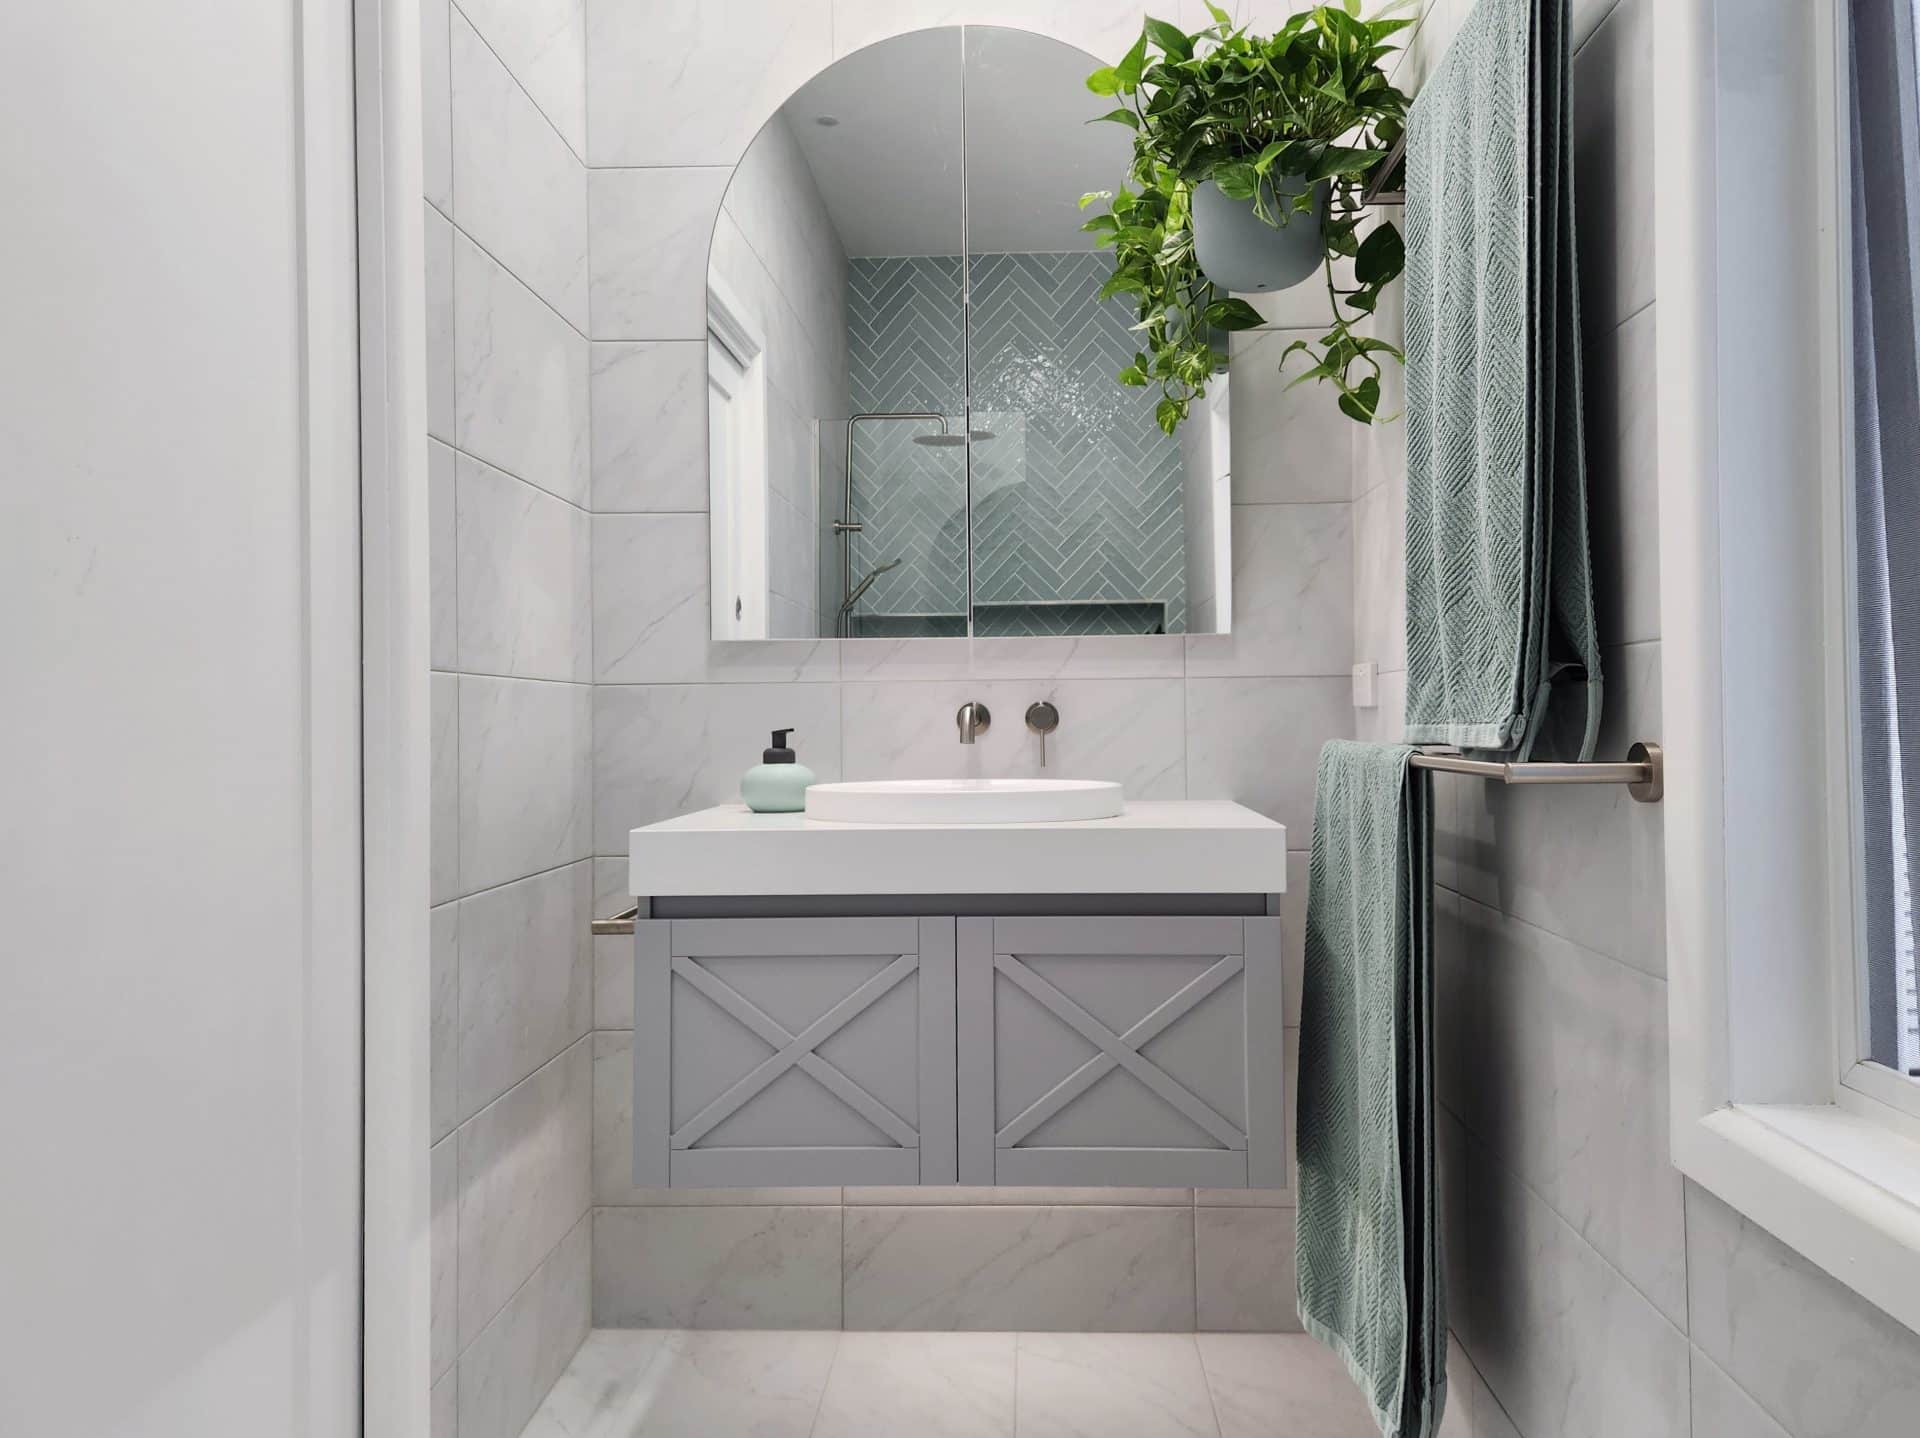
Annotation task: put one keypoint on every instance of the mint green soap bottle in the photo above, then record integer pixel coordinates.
(778, 783)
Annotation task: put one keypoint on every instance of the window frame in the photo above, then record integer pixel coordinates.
(1771, 1108)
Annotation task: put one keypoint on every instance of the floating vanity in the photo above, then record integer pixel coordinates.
(1083, 1003)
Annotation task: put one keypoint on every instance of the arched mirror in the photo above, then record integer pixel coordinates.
(915, 424)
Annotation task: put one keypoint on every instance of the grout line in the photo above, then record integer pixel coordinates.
(513, 275)
(513, 679)
(534, 485)
(1494, 1157)
(545, 1258)
(455, 8)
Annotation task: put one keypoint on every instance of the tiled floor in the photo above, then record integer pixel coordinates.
(650, 1383)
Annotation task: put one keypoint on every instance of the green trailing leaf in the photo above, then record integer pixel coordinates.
(1249, 112)
(1381, 256)
(1170, 38)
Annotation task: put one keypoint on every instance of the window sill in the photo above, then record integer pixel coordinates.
(1841, 1189)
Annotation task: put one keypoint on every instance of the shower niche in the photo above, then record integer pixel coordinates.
(915, 426)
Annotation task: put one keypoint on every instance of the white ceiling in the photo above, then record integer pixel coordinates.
(890, 170)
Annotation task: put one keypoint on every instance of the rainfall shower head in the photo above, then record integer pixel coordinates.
(952, 441)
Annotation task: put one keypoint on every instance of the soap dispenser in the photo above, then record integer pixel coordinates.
(778, 783)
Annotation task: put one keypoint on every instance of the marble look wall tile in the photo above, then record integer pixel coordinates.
(436, 101)
(517, 1357)
(1541, 1026)
(1808, 1349)
(633, 1382)
(650, 427)
(1289, 445)
(1585, 862)
(520, 377)
(1093, 656)
(544, 44)
(714, 1267)
(1266, 1384)
(525, 564)
(993, 1267)
(662, 750)
(1723, 1409)
(650, 231)
(732, 69)
(1244, 1272)
(443, 1233)
(1566, 1344)
(1259, 740)
(1490, 1420)
(652, 623)
(519, 192)
(1122, 729)
(526, 979)
(1623, 495)
(442, 409)
(650, 758)
(941, 1385)
(1613, 149)
(1094, 1385)
(443, 1061)
(443, 1407)
(442, 606)
(526, 766)
(1380, 575)
(444, 788)
(612, 953)
(524, 1181)
(1292, 594)
(1100, 27)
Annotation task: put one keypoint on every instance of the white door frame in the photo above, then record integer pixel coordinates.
(394, 718)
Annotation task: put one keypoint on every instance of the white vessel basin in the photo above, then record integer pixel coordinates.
(965, 801)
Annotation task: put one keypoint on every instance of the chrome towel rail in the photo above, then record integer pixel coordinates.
(1643, 771)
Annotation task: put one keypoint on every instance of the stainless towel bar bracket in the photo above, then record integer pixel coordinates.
(1643, 771)
(619, 924)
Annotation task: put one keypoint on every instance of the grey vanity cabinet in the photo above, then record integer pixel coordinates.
(792, 1052)
(1078, 1051)
(1132, 1052)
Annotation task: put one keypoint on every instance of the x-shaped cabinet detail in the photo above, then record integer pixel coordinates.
(793, 1052)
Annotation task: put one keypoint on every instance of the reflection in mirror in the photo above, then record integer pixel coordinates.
(914, 426)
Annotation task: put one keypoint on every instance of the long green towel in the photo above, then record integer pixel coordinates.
(1367, 1234)
(1499, 589)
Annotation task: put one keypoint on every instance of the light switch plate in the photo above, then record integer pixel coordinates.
(1366, 685)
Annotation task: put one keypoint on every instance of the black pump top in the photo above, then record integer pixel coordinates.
(781, 752)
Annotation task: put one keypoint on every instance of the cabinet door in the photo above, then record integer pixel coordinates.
(781, 1052)
(1121, 1052)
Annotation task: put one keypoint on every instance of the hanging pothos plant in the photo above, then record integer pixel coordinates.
(1308, 104)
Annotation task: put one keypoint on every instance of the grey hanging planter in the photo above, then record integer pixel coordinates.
(1242, 253)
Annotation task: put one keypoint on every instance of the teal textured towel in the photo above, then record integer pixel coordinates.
(1367, 1234)
(1499, 588)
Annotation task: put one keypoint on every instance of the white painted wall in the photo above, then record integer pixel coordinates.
(179, 863)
